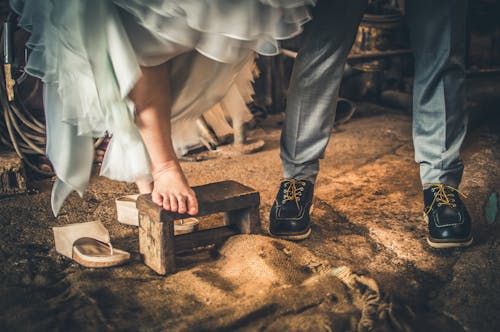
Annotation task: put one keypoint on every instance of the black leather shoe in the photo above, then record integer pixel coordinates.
(448, 219)
(289, 218)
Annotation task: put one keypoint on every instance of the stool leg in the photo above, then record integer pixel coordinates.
(246, 220)
(156, 244)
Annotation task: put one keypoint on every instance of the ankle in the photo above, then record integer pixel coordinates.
(144, 186)
(167, 166)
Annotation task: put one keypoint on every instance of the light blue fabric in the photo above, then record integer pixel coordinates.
(439, 119)
(74, 162)
(437, 31)
(314, 85)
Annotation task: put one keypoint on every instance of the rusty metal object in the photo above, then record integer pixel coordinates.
(22, 127)
(360, 56)
(345, 111)
(12, 175)
(378, 34)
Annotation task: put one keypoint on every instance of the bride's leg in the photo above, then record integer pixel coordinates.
(144, 186)
(151, 96)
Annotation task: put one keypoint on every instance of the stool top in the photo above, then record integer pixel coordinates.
(212, 198)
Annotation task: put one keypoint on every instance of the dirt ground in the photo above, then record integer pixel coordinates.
(366, 266)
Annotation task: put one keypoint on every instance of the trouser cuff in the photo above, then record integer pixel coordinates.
(307, 172)
(450, 177)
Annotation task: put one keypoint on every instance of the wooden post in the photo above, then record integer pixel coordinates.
(246, 220)
(156, 242)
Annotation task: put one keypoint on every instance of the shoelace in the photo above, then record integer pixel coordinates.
(293, 191)
(444, 195)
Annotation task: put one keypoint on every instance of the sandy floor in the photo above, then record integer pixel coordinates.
(367, 218)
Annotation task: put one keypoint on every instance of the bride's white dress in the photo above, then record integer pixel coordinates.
(89, 52)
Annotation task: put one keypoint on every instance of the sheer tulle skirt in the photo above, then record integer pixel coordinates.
(89, 55)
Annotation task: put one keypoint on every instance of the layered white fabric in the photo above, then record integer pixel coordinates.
(89, 53)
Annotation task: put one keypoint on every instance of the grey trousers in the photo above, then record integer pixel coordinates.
(437, 31)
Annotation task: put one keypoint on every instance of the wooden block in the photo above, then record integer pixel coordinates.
(156, 243)
(246, 220)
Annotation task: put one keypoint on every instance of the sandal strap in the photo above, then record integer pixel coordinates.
(66, 236)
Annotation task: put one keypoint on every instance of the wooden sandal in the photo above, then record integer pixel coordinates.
(88, 244)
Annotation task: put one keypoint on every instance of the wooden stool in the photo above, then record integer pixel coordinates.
(157, 242)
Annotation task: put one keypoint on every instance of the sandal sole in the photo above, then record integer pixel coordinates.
(86, 263)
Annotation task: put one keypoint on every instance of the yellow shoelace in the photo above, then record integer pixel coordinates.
(292, 192)
(442, 197)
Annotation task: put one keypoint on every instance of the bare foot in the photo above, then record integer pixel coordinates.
(172, 191)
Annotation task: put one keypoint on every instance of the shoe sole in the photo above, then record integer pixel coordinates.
(448, 244)
(294, 237)
(451, 244)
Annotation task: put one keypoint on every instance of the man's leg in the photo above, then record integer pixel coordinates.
(314, 85)
(439, 119)
(310, 113)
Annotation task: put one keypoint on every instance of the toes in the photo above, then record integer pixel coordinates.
(181, 201)
(156, 198)
(192, 204)
(173, 203)
(166, 203)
